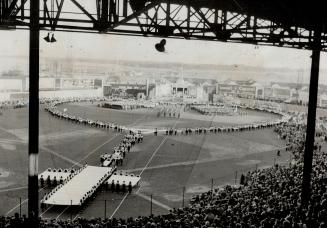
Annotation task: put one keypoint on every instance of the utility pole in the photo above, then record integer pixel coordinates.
(105, 209)
(151, 206)
(183, 196)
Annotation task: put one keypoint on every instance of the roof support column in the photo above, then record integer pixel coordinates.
(311, 120)
(33, 117)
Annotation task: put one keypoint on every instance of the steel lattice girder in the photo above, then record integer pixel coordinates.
(224, 20)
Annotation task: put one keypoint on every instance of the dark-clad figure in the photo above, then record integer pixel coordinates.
(42, 182)
(242, 180)
(130, 187)
(54, 182)
(123, 189)
(48, 181)
(113, 186)
(117, 187)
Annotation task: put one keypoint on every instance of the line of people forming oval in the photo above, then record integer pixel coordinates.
(51, 107)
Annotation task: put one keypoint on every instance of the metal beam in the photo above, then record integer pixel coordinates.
(134, 15)
(58, 14)
(84, 11)
(33, 129)
(311, 120)
(213, 20)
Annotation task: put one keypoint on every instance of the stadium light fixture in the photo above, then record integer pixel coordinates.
(50, 40)
(160, 47)
(53, 39)
(47, 38)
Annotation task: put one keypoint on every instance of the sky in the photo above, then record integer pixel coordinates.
(115, 47)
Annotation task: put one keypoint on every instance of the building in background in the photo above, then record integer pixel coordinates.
(127, 90)
(280, 93)
(16, 88)
(182, 90)
(243, 89)
(322, 100)
(303, 95)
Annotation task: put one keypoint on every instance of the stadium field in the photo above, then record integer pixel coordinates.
(172, 168)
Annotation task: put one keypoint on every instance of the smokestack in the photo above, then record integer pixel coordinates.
(147, 88)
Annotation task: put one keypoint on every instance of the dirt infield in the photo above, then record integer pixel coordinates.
(168, 165)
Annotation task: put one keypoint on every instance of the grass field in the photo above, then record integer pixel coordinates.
(170, 166)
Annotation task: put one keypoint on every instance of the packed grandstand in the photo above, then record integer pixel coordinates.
(268, 197)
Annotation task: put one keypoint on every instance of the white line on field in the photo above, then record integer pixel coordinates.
(144, 168)
(62, 212)
(75, 163)
(93, 151)
(98, 147)
(24, 201)
(121, 202)
(16, 207)
(12, 189)
(156, 202)
(46, 211)
(76, 216)
(154, 153)
(192, 162)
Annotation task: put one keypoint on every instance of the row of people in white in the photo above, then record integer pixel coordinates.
(71, 175)
(214, 110)
(116, 158)
(119, 152)
(128, 104)
(107, 125)
(53, 110)
(94, 188)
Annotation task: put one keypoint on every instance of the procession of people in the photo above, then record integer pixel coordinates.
(170, 110)
(217, 109)
(120, 151)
